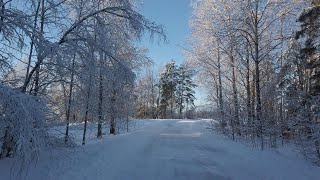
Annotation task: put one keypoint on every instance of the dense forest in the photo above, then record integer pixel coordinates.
(67, 61)
(260, 64)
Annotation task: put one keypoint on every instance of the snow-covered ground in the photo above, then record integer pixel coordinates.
(166, 149)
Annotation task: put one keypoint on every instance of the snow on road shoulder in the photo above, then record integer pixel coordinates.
(76, 130)
(241, 161)
(166, 149)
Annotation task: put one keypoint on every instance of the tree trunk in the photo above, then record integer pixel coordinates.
(221, 105)
(171, 105)
(257, 73)
(248, 89)
(158, 102)
(152, 97)
(31, 45)
(2, 14)
(113, 114)
(180, 110)
(86, 114)
(235, 97)
(40, 57)
(281, 114)
(258, 108)
(99, 134)
(127, 121)
(70, 100)
(7, 146)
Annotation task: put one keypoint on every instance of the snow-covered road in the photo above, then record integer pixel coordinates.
(170, 149)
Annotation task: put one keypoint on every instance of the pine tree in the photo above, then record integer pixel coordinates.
(168, 82)
(310, 29)
(176, 90)
(184, 93)
(309, 36)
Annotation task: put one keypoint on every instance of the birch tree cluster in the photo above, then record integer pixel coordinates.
(67, 60)
(259, 62)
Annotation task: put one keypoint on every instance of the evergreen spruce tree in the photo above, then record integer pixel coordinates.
(309, 36)
(168, 83)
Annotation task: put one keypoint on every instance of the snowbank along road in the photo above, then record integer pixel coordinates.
(170, 149)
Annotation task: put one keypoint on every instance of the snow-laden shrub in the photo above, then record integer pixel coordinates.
(22, 124)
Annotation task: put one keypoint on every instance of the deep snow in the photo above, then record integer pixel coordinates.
(165, 149)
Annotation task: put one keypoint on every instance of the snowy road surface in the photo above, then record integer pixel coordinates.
(170, 149)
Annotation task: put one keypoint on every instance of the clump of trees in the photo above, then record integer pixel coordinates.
(68, 60)
(261, 70)
(169, 96)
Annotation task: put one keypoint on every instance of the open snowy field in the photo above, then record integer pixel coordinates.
(165, 149)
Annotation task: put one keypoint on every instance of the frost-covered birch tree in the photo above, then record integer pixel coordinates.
(243, 48)
(77, 57)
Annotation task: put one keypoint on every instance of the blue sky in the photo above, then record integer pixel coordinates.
(174, 15)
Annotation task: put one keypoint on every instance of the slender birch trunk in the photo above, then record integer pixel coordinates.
(70, 98)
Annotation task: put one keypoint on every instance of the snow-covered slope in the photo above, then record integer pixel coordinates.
(167, 149)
